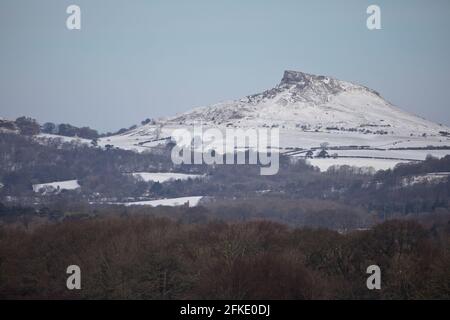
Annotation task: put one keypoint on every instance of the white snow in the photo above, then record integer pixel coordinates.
(170, 202)
(44, 137)
(393, 154)
(143, 138)
(435, 177)
(56, 186)
(165, 176)
(377, 164)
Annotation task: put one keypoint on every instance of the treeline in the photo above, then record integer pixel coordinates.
(24, 125)
(387, 194)
(69, 130)
(29, 127)
(139, 257)
(295, 213)
(430, 165)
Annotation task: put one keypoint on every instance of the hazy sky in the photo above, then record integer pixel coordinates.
(137, 59)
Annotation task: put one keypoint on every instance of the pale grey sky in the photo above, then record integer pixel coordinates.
(138, 59)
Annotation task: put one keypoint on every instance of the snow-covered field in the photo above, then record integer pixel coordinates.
(289, 138)
(165, 176)
(376, 164)
(56, 186)
(171, 202)
(45, 137)
(393, 154)
(435, 177)
(376, 159)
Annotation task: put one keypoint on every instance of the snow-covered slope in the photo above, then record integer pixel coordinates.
(313, 102)
(310, 110)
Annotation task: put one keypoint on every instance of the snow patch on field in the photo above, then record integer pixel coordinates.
(165, 176)
(392, 154)
(45, 138)
(56, 186)
(377, 164)
(435, 177)
(171, 202)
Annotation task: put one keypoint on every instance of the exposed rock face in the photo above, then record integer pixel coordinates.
(306, 87)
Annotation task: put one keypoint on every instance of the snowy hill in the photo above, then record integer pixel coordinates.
(314, 102)
(310, 110)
